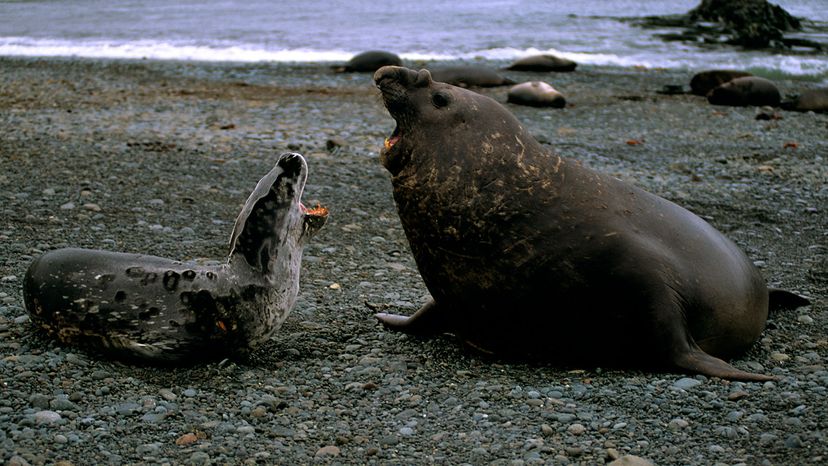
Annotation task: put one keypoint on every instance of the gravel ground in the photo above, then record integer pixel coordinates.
(158, 158)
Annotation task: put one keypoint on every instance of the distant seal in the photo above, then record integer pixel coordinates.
(470, 76)
(146, 307)
(814, 100)
(747, 91)
(369, 62)
(541, 63)
(705, 81)
(535, 94)
(528, 254)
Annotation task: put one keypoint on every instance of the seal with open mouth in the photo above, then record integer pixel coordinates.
(157, 309)
(528, 254)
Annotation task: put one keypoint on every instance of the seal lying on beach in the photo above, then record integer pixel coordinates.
(703, 82)
(528, 254)
(535, 94)
(369, 62)
(747, 91)
(470, 76)
(152, 308)
(814, 100)
(543, 62)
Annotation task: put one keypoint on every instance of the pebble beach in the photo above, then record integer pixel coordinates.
(157, 157)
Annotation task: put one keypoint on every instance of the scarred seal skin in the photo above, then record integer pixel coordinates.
(146, 307)
(528, 254)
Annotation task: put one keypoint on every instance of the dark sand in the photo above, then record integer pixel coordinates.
(158, 158)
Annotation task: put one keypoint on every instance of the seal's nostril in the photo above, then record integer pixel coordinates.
(385, 73)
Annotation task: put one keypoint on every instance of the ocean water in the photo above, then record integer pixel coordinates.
(588, 32)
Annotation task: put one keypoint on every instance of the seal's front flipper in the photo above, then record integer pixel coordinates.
(696, 360)
(785, 300)
(429, 320)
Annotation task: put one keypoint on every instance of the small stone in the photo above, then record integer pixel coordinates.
(60, 438)
(46, 417)
(576, 429)
(167, 394)
(793, 441)
(612, 454)
(677, 423)
(805, 319)
(190, 392)
(334, 143)
(199, 457)
(547, 430)
(630, 460)
(330, 450)
(186, 439)
(737, 395)
(779, 357)
(92, 207)
(407, 431)
(17, 461)
(686, 383)
(9, 279)
(67, 206)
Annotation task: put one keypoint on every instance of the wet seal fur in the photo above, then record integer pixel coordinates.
(528, 254)
(146, 307)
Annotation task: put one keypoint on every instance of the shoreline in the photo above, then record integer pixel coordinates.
(157, 157)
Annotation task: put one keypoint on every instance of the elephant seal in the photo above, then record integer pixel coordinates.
(535, 94)
(470, 76)
(747, 91)
(705, 81)
(369, 62)
(543, 62)
(529, 254)
(814, 100)
(150, 308)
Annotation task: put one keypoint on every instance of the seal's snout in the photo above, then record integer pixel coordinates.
(403, 76)
(292, 162)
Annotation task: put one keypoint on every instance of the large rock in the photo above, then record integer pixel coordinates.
(750, 23)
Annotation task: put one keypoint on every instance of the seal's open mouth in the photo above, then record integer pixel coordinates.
(393, 139)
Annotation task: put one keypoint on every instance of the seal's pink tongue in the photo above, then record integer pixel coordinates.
(389, 142)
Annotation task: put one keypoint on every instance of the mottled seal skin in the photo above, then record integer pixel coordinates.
(543, 63)
(705, 81)
(470, 76)
(528, 254)
(145, 307)
(747, 91)
(535, 94)
(369, 61)
(814, 100)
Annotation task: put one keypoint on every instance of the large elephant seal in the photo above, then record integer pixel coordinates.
(747, 91)
(814, 100)
(369, 61)
(703, 82)
(535, 94)
(152, 308)
(544, 62)
(529, 254)
(470, 76)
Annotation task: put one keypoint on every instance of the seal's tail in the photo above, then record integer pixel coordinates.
(785, 300)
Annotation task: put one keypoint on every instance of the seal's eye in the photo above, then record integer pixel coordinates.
(440, 100)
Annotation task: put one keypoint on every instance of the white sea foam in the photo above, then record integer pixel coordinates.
(655, 57)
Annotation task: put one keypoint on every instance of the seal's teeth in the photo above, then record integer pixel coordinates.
(388, 143)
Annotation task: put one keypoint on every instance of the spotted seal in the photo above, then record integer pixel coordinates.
(152, 308)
